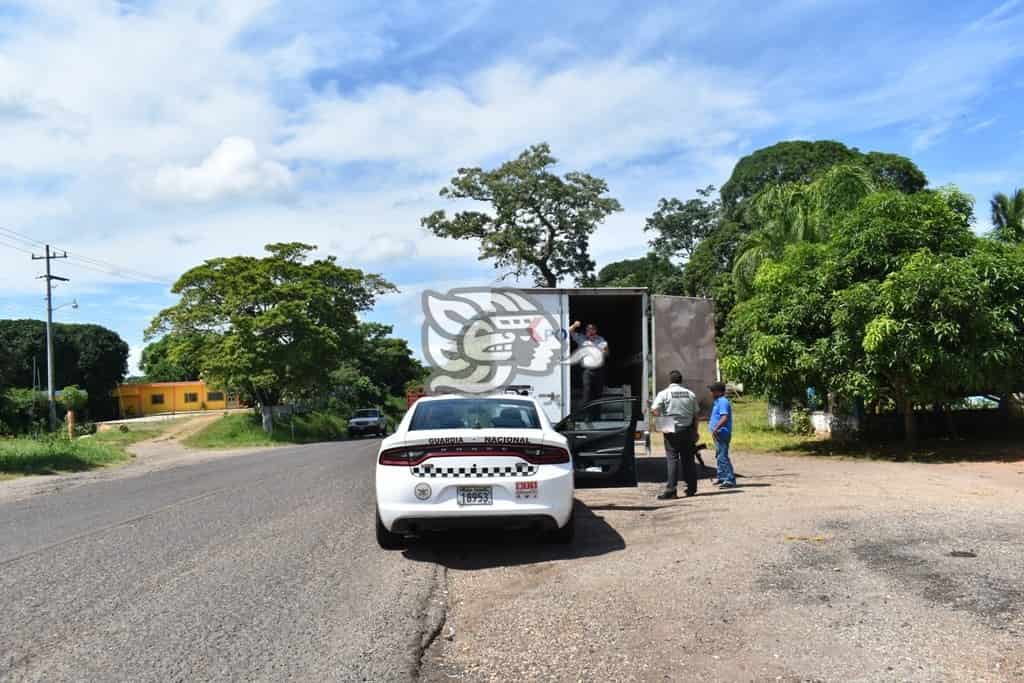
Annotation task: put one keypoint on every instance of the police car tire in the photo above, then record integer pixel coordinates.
(386, 539)
(564, 535)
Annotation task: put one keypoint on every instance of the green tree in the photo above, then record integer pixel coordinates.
(652, 271)
(386, 361)
(711, 264)
(89, 356)
(902, 303)
(680, 226)
(539, 224)
(273, 325)
(1008, 216)
(798, 212)
(157, 365)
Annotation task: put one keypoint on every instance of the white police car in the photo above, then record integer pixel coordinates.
(457, 461)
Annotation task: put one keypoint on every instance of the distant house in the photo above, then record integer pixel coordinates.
(136, 400)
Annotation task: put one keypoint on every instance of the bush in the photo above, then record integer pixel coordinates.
(800, 422)
(23, 411)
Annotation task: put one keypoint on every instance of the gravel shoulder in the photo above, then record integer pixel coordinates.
(813, 569)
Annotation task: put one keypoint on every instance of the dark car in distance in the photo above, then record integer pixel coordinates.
(368, 421)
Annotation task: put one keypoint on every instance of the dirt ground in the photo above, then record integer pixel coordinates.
(813, 569)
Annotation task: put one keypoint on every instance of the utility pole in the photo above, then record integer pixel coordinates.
(49, 329)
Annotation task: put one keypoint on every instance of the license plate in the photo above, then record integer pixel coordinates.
(474, 495)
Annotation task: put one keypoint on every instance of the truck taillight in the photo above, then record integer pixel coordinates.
(546, 455)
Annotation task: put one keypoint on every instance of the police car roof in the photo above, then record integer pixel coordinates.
(464, 397)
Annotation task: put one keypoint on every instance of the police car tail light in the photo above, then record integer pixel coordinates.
(402, 457)
(545, 455)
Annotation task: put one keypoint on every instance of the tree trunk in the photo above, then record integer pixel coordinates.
(909, 424)
(268, 418)
(71, 424)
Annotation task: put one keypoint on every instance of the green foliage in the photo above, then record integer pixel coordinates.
(245, 430)
(89, 356)
(680, 226)
(1008, 216)
(158, 365)
(270, 326)
(796, 212)
(73, 398)
(539, 225)
(52, 454)
(801, 161)
(902, 303)
(800, 422)
(655, 272)
(23, 411)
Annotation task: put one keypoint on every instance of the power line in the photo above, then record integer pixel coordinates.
(85, 262)
(14, 246)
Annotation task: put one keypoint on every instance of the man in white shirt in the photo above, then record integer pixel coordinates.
(593, 362)
(679, 403)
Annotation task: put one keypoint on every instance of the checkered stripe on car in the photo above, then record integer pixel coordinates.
(520, 469)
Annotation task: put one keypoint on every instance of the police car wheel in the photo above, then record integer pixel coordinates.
(386, 539)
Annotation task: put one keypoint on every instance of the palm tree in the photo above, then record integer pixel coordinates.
(794, 212)
(1008, 216)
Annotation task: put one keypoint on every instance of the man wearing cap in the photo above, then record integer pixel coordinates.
(679, 403)
(720, 425)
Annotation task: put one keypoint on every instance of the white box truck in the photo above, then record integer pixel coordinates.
(648, 335)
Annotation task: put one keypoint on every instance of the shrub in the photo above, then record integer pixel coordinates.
(800, 422)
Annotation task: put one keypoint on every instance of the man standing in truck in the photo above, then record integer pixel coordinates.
(593, 359)
(679, 403)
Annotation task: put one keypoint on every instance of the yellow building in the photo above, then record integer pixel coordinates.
(136, 400)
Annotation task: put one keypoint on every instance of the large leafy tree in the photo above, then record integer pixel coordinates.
(709, 268)
(538, 224)
(652, 271)
(158, 365)
(680, 226)
(1008, 216)
(901, 304)
(273, 325)
(89, 356)
(798, 212)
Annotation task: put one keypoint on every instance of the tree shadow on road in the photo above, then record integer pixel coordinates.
(488, 548)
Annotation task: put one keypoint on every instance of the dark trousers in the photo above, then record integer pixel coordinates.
(679, 450)
(593, 384)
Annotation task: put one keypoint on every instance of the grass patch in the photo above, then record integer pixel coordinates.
(52, 454)
(246, 430)
(751, 433)
(750, 430)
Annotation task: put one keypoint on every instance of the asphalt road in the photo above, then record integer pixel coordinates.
(259, 567)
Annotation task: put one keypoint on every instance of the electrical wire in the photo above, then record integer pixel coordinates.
(84, 262)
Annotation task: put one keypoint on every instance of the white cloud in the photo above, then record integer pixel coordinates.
(233, 169)
(593, 112)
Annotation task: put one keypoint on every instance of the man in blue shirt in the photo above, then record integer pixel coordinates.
(720, 425)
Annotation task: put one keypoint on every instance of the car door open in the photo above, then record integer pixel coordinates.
(602, 437)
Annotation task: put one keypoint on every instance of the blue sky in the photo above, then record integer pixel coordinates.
(151, 135)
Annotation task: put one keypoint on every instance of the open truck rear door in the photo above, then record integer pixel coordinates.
(602, 440)
(683, 339)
